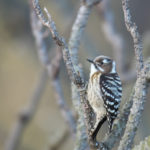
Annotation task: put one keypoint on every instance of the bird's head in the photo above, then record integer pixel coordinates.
(102, 64)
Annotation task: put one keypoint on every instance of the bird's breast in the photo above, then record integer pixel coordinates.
(94, 93)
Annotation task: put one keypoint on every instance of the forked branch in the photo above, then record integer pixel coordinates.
(52, 67)
(74, 75)
(140, 88)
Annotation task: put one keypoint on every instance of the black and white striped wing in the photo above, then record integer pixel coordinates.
(111, 91)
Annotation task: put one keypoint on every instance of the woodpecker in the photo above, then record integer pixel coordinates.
(104, 92)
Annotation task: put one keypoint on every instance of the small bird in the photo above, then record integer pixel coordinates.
(104, 92)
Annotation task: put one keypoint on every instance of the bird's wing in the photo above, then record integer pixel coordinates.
(111, 90)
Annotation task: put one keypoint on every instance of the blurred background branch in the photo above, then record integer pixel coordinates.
(26, 115)
(111, 34)
(116, 40)
(59, 141)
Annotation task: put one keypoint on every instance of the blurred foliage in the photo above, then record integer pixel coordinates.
(20, 67)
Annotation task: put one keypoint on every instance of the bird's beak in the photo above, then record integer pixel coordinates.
(89, 60)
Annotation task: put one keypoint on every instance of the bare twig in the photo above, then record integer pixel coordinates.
(110, 32)
(139, 98)
(27, 114)
(132, 28)
(120, 123)
(59, 94)
(116, 40)
(140, 86)
(74, 43)
(59, 41)
(74, 73)
(53, 68)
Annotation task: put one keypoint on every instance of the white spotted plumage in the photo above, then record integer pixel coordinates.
(104, 90)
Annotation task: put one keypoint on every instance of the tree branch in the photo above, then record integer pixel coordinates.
(111, 34)
(120, 124)
(74, 73)
(132, 28)
(53, 68)
(74, 43)
(60, 41)
(116, 40)
(143, 145)
(139, 96)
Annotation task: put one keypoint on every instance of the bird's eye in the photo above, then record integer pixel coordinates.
(101, 63)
